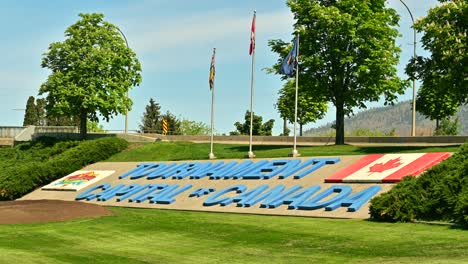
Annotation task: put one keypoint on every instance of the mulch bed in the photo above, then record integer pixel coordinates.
(33, 211)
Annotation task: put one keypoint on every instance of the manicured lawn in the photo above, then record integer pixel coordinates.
(163, 236)
(163, 151)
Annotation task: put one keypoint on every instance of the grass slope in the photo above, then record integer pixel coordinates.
(163, 236)
(164, 151)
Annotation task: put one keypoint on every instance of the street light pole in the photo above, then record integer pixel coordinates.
(126, 112)
(413, 125)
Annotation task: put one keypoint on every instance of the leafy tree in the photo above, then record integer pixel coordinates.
(448, 127)
(172, 122)
(189, 127)
(435, 103)
(309, 107)
(94, 126)
(258, 129)
(347, 53)
(30, 114)
(92, 71)
(151, 121)
(445, 36)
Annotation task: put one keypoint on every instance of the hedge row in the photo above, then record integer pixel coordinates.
(42, 149)
(439, 194)
(25, 177)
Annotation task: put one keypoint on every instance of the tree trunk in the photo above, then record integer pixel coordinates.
(300, 130)
(437, 124)
(83, 128)
(339, 139)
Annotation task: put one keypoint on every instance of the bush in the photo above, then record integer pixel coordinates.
(441, 193)
(25, 177)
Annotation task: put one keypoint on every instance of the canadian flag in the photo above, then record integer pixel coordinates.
(387, 168)
(252, 35)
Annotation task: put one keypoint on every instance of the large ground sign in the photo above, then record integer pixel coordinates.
(322, 186)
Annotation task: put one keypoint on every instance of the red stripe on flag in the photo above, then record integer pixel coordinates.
(252, 36)
(339, 176)
(417, 167)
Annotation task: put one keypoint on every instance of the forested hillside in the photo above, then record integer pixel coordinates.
(389, 118)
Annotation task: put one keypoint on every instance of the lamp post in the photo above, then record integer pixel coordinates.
(126, 113)
(413, 125)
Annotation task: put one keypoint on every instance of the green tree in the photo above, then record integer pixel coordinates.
(30, 114)
(448, 127)
(151, 120)
(445, 34)
(309, 107)
(172, 122)
(92, 71)
(435, 103)
(189, 127)
(94, 126)
(347, 53)
(258, 128)
(41, 111)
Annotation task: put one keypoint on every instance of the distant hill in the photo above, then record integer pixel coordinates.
(385, 119)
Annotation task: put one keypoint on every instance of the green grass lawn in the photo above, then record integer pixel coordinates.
(163, 236)
(164, 151)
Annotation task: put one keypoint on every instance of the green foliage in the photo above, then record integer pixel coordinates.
(437, 194)
(151, 120)
(448, 127)
(309, 107)
(366, 132)
(94, 126)
(435, 103)
(189, 127)
(30, 114)
(92, 72)
(258, 128)
(43, 165)
(445, 34)
(348, 53)
(172, 122)
(399, 204)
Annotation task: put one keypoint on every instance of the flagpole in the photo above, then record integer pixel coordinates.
(211, 155)
(295, 153)
(251, 155)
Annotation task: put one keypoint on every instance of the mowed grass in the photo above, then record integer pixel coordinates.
(168, 151)
(163, 236)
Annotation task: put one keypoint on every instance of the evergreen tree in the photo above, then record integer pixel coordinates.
(41, 112)
(30, 114)
(151, 121)
(173, 123)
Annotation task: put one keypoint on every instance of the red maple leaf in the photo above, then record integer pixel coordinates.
(380, 167)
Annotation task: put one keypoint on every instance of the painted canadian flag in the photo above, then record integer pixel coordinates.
(387, 168)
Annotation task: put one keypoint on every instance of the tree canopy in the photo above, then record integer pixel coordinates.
(444, 74)
(92, 72)
(309, 107)
(347, 53)
(258, 128)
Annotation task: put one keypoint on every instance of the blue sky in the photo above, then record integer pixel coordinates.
(173, 40)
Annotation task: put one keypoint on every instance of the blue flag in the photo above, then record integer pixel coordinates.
(289, 63)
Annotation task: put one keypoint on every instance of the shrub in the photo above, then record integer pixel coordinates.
(24, 177)
(441, 193)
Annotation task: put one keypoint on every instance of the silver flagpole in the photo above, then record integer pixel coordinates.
(211, 155)
(295, 153)
(251, 154)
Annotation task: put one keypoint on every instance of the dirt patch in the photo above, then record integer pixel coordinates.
(33, 211)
